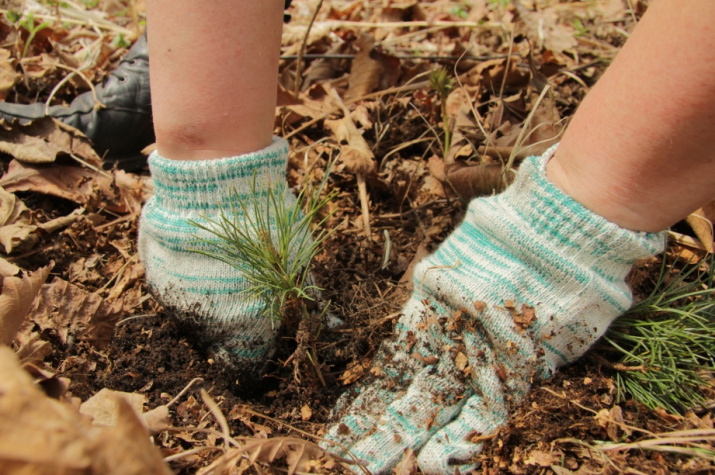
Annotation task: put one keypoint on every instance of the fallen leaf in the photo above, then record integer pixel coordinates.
(461, 361)
(354, 150)
(68, 310)
(612, 421)
(45, 139)
(701, 221)
(542, 458)
(78, 184)
(525, 318)
(17, 233)
(407, 464)
(240, 413)
(8, 75)
(472, 181)
(42, 436)
(16, 299)
(306, 413)
(371, 70)
(354, 372)
(103, 407)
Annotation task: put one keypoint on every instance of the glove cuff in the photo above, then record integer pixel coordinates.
(209, 185)
(543, 212)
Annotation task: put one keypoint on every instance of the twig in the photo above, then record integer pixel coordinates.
(81, 161)
(299, 66)
(120, 220)
(97, 102)
(183, 391)
(135, 317)
(416, 57)
(121, 269)
(336, 24)
(220, 418)
(193, 451)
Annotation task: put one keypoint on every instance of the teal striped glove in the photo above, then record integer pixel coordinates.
(525, 284)
(200, 291)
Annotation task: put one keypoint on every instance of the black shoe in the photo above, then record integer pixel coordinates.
(120, 130)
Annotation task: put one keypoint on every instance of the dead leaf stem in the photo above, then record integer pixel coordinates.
(299, 65)
(220, 418)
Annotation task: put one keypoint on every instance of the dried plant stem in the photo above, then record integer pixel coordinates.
(299, 65)
(488, 25)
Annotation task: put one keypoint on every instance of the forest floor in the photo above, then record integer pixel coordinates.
(518, 70)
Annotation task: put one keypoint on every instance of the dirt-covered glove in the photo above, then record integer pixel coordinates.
(202, 292)
(525, 284)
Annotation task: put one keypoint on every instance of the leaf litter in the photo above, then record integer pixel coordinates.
(123, 390)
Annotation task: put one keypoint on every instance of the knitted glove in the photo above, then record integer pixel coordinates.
(203, 292)
(525, 284)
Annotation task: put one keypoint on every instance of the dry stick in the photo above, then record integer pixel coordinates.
(97, 103)
(334, 24)
(120, 220)
(220, 418)
(299, 66)
(183, 391)
(193, 451)
(121, 269)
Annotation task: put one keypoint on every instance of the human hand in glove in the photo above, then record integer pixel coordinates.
(525, 284)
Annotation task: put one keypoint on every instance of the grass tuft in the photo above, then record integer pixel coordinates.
(667, 340)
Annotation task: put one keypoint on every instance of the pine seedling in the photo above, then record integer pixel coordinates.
(440, 82)
(667, 341)
(271, 242)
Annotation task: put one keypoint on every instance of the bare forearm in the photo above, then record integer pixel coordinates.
(639, 150)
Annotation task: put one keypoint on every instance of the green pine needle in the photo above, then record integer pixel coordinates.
(271, 242)
(667, 341)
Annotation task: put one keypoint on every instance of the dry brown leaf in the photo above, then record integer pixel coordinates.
(32, 348)
(611, 420)
(371, 70)
(701, 221)
(354, 372)
(355, 152)
(541, 458)
(45, 139)
(544, 25)
(476, 180)
(17, 233)
(525, 318)
(306, 412)
(297, 452)
(126, 449)
(18, 294)
(68, 310)
(156, 420)
(77, 184)
(37, 434)
(8, 75)
(103, 407)
(461, 361)
(239, 413)
(407, 465)
(40, 435)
